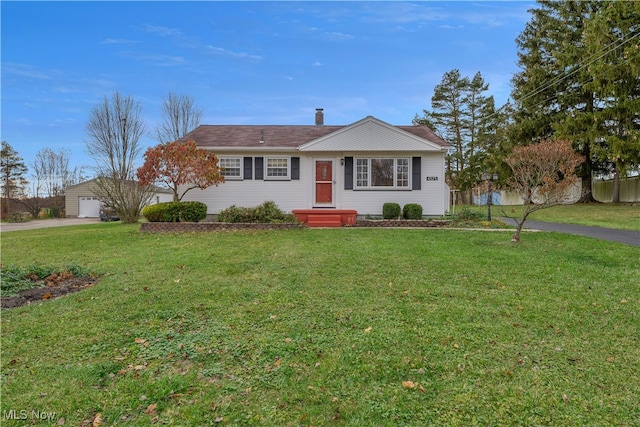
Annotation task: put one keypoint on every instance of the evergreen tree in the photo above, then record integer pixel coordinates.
(578, 82)
(612, 39)
(459, 106)
(12, 175)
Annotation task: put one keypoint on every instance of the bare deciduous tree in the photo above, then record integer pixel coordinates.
(542, 174)
(179, 117)
(114, 130)
(52, 173)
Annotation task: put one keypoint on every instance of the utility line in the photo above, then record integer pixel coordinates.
(565, 75)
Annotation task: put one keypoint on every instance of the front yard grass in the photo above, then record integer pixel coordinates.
(315, 327)
(625, 216)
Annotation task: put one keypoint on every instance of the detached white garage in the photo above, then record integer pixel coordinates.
(88, 207)
(82, 202)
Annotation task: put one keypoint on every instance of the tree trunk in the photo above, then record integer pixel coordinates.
(616, 186)
(587, 194)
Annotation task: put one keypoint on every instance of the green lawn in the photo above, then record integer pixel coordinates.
(351, 327)
(621, 216)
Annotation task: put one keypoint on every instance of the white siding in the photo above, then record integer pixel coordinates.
(431, 196)
(298, 194)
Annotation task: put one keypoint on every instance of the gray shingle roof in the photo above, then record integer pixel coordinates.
(279, 136)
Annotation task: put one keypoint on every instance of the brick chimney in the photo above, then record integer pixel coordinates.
(319, 117)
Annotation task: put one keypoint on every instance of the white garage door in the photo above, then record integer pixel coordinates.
(88, 207)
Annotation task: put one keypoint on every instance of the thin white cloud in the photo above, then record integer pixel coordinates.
(338, 36)
(157, 59)
(163, 31)
(222, 51)
(317, 64)
(110, 40)
(24, 70)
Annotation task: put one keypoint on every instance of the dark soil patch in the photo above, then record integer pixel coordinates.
(48, 292)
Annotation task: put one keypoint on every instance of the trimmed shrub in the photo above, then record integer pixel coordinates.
(236, 214)
(267, 212)
(192, 211)
(391, 211)
(412, 211)
(153, 213)
(175, 212)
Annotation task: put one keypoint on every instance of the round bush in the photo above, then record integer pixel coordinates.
(391, 211)
(175, 212)
(236, 214)
(192, 211)
(153, 213)
(412, 211)
(267, 212)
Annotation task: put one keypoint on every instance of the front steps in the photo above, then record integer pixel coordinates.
(326, 217)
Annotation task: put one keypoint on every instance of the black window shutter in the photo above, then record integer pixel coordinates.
(248, 168)
(416, 173)
(348, 173)
(295, 168)
(259, 169)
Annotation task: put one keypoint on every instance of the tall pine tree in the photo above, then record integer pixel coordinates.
(612, 39)
(12, 175)
(459, 107)
(550, 93)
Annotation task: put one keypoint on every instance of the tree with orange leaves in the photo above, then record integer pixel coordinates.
(180, 166)
(542, 175)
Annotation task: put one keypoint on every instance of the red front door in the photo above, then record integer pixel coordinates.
(324, 182)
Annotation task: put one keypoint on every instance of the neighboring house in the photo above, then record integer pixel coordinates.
(81, 200)
(319, 168)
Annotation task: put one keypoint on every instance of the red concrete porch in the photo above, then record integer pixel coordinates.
(326, 217)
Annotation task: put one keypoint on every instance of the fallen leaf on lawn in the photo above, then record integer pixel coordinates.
(287, 340)
(138, 367)
(623, 301)
(277, 362)
(97, 420)
(565, 398)
(140, 340)
(61, 421)
(47, 295)
(218, 420)
(611, 359)
(409, 384)
(369, 329)
(177, 280)
(151, 409)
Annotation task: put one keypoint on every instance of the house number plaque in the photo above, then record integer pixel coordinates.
(432, 178)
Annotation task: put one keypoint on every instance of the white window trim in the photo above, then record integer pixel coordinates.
(395, 186)
(277, 178)
(233, 178)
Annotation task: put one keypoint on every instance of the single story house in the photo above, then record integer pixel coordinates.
(81, 200)
(319, 169)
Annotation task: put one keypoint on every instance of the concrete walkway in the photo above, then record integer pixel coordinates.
(628, 237)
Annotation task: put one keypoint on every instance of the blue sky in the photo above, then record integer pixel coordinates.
(242, 62)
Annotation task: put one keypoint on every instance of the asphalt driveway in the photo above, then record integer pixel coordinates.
(628, 237)
(45, 223)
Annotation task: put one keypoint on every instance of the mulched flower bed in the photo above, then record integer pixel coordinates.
(48, 292)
